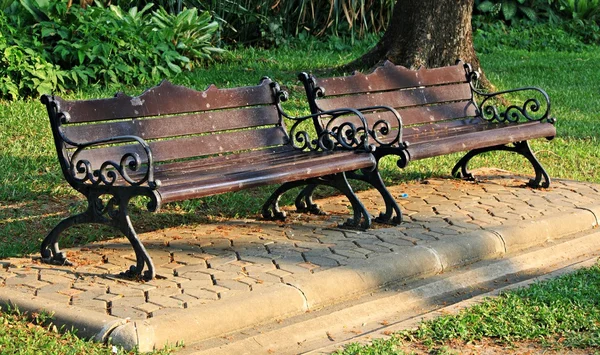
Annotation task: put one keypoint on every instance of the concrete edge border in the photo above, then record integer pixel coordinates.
(89, 324)
(301, 294)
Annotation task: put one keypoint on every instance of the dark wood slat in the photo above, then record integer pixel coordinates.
(177, 176)
(417, 115)
(400, 99)
(486, 138)
(163, 127)
(221, 183)
(392, 77)
(196, 146)
(166, 99)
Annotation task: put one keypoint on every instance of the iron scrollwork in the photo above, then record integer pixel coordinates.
(379, 132)
(532, 109)
(109, 171)
(346, 135)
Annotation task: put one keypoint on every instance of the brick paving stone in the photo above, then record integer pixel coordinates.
(202, 294)
(128, 312)
(55, 297)
(233, 285)
(350, 253)
(53, 288)
(199, 276)
(164, 291)
(264, 278)
(109, 297)
(147, 308)
(259, 268)
(122, 290)
(166, 302)
(90, 304)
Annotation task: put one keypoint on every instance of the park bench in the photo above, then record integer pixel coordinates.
(432, 112)
(172, 143)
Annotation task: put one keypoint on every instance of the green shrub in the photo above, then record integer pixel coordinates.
(49, 47)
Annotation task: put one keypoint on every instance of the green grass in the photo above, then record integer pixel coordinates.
(34, 196)
(36, 335)
(559, 314)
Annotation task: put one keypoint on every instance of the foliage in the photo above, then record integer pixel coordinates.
(512, 10)
(269, 22)
(582, 10)
(49, 47)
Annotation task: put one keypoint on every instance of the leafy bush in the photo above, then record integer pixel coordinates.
(51, 47)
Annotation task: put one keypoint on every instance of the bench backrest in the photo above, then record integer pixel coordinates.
(440, 96)
(177, 122)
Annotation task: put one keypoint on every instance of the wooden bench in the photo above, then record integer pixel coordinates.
(432, 112)
(173, 143)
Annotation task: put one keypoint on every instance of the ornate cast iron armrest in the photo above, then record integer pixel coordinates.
(344, 134)
(383, 127)
(533, 109)
(107, 172)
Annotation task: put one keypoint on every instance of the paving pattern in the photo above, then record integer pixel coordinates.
(200, 264)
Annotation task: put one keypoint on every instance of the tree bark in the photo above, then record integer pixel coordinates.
(425, 33)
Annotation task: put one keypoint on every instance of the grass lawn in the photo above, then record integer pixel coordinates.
(34, 196)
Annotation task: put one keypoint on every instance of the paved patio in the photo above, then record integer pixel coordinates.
(220, 277)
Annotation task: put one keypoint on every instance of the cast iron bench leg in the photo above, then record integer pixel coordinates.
(461, 169)
(115, 214)
(361, 218)
(304, 202)
(392, 214)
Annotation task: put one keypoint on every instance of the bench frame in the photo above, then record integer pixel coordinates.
(531, 110)
(134, 175)
(396, 143)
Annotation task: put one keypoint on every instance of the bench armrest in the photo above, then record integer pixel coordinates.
(337, 132)
(382, 128)
(82, 171)
(535, 108)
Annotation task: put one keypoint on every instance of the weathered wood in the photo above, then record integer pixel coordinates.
(402, 98)
(474, 140)
(391, 77)
(229, 181)
(166, 99)
(180, 125)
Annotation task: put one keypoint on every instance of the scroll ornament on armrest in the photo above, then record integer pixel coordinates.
(532, 109)
(109, 172)
(345, 135)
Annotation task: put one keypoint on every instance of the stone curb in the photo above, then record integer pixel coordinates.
(310, 292)
(89, 324)
(526, 234)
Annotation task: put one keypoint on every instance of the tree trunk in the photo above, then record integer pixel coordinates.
(428, 33)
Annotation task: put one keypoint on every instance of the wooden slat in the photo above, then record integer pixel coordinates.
(400, 99)
(416, 115)
(392, 77)
(319, 164)
(163, 127)
(486, 138)
(165, 99)
(195, 146)
(214, 165)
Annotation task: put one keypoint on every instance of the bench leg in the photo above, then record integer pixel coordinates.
(114, 214)
(361, 218)
(270, 209)
(392, 214)
(304, 202)
(461, 168)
